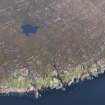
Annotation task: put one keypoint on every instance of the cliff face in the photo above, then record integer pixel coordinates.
(70, 35)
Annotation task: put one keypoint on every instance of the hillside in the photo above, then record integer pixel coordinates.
(69, 44)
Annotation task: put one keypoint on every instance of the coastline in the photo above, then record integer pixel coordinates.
(66, 77)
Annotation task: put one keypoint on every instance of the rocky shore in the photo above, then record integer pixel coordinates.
(68, 78)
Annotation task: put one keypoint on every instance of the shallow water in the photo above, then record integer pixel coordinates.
(91, 92)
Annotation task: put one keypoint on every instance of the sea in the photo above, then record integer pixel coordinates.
(88, 92)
